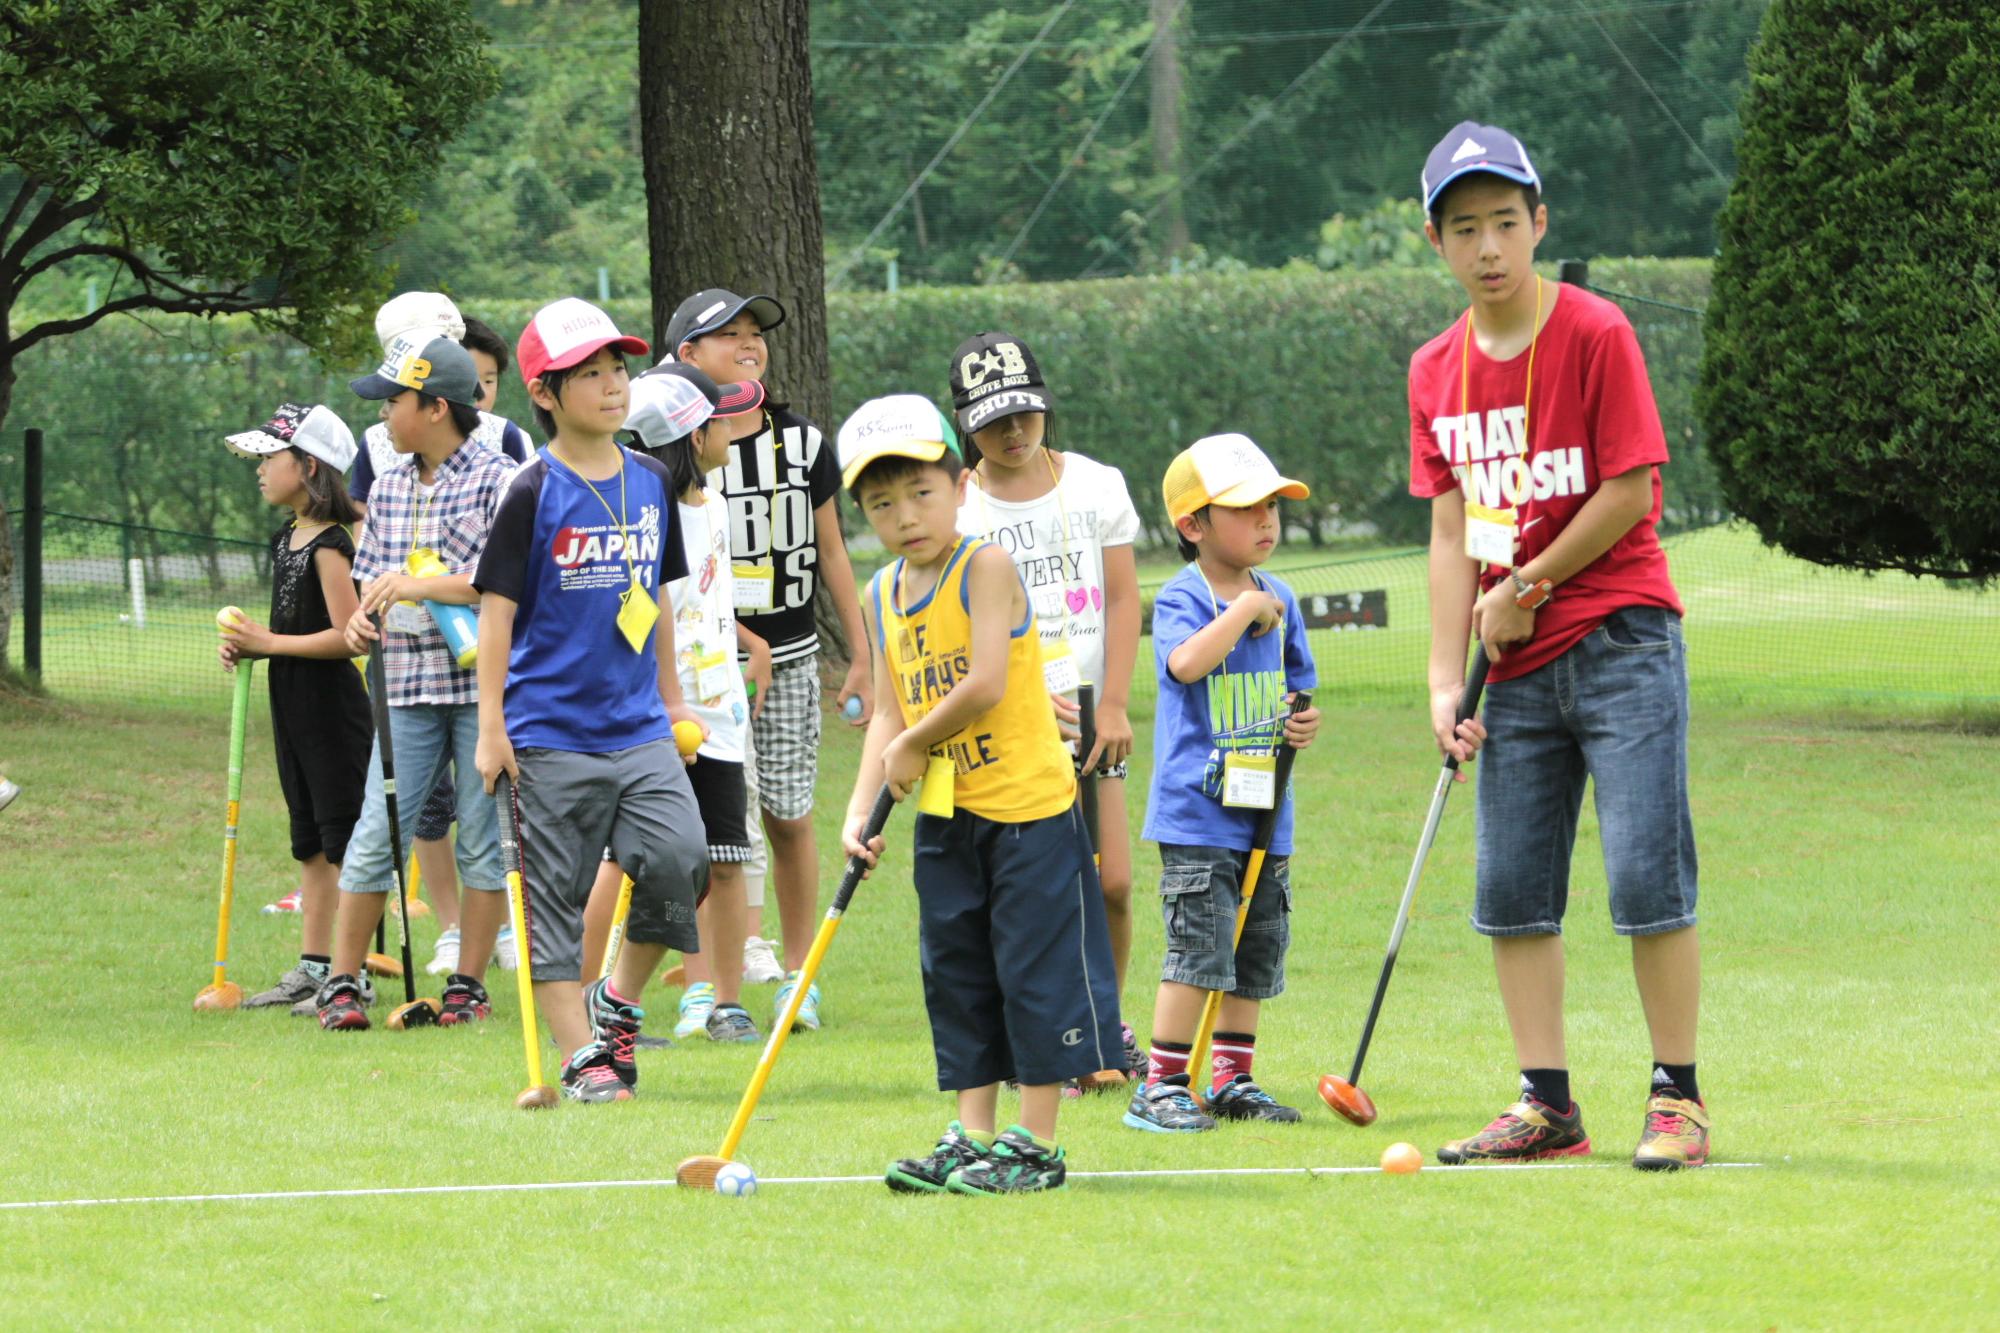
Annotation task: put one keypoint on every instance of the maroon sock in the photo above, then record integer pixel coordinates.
(1231, 1055)
(1166, 1059)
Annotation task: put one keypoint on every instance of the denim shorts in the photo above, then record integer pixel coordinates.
(1613, 710)
(1200, 888)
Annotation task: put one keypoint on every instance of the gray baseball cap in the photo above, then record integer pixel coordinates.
(708, 310)
(436, 366)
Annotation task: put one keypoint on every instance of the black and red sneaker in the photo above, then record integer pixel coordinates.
(587, 1076)
(341, 1006)
(464, 1001)
(1527, 1131)
(615, 1025)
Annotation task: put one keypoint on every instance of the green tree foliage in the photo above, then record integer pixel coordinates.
(203, 157)
(1853, 348)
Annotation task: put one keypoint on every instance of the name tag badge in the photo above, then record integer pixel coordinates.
(755, 586)
(936, 795)
(1490, 534)
(711, 675)
(906, 646)
(1059, 670)
(637, 614)
(407, 618)
(1250, 781)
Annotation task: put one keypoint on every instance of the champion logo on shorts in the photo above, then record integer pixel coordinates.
(1073, 1037)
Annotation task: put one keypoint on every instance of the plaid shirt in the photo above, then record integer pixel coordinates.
(453, 521)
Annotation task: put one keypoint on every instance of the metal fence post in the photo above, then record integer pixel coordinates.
(1575, 272)
(33, 515)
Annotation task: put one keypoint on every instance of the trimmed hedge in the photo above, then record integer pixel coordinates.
(1854, 345)
(1309, 363)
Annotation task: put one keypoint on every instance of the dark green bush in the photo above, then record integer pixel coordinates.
(1310, 364)
(1852, 365)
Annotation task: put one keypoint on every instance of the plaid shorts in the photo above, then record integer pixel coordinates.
(787, 738)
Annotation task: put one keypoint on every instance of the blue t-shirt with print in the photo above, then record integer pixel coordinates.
(555, 549)
(1238, 706)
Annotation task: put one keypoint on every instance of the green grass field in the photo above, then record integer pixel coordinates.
(1851, 938)
(1762, 627)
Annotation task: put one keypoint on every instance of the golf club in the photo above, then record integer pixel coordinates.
(222, 993)
(1344, 1095)
(699, 1172)
(413, 1012)
(616, 939)
(537, 1096)
(1260, 843)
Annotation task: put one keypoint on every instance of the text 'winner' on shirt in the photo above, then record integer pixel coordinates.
(1010, 762)
(560, 551)
(1239, 706)
(775, 481)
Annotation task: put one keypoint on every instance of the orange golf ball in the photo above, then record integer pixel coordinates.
(687, 737)
(1400, 1159)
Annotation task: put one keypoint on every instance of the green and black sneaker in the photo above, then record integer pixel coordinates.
(1016, 1164)
(927, 1175)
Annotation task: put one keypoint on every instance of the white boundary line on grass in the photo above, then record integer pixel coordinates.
(530, 1187)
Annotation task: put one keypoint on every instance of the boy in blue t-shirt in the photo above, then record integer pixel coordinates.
(1230, 649)
(580, 692)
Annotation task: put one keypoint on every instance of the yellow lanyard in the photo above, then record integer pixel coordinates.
(1062, 529)
(1527, 395)
(1215, 611)
(624, 534)
(417, 532)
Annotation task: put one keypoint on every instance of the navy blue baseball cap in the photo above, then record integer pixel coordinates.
(1471, 147)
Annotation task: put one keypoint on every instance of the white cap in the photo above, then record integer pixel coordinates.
(316, 430)
(663, 408)
(420, 313)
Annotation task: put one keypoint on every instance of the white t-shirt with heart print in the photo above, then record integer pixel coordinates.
(1057, 543)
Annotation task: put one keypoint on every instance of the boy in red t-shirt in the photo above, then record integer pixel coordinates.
(1534, 434)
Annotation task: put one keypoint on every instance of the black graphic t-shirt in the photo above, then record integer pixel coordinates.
(775, 482)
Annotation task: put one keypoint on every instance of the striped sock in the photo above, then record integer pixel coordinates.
(1168, 1058)
(1231, 1055)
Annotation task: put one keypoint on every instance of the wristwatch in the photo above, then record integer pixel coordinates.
(1530, 596)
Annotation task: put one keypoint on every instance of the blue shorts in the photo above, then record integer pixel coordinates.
(1200, 889)
(1613, 710)
(1015, 950)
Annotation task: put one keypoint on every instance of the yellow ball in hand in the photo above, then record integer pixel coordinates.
(687, 737)
(226, 618)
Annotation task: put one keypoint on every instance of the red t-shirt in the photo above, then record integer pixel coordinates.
(1591, 416)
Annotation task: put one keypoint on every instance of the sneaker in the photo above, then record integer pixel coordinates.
(808, 1018)
(505, 952)
(444, 958)
(8, 791)
(339, 1006)
(464, 1001)
(1527, 1131)
(760, 962)
(697, 1003)
(1015, 1164)
(302, 983)
(1136, 1063)
(367, 984)
(288, 903)
(615, 1027)
(1167, 1107)
(1676, 1133)
(930, 1174)
(1240, 1099)
(588, 1076)
(732, 1022)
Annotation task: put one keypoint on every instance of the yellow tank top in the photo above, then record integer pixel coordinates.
(1011, 764)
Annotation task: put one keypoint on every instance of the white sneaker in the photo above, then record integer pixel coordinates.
(445, 959)
(504, 951)
(8, 791)
(760, 962)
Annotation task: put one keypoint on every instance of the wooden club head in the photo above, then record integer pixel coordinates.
(698, 1173)
(416, 1014)
(382, 965)
(540, 1098)
(218, 999)
(1347, 1101)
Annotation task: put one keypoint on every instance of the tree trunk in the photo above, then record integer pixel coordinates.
(732, 185)
(1166, 119)
(6, 528)
(732, 182)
